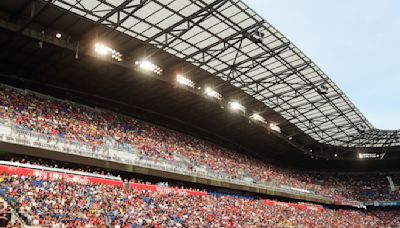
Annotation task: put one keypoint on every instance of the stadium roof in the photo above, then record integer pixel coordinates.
(231, 41)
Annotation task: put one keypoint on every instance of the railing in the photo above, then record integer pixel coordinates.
(15, 216)
(12, 133)
(58, 170)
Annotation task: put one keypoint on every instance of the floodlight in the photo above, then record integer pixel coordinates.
(184, 81)
(107, 51)
(234, 105)
(100, 49)
(368, 155)
(258, 117)
(58, 35)
(275, 127)
(213, 93)
(149, 66)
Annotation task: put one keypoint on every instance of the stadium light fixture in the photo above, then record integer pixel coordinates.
(185, 81)
(234, 105)
(149, 66)
(368, 155)
(258, 117)
(275, 127)
(104, 50)
(213, 94)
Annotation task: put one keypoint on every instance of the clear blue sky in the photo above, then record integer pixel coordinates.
(355, 42)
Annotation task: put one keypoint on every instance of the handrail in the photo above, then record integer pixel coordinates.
(66, 171)
(9, 132)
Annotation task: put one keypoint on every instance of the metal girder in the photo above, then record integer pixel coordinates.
(328, 117)
(300, 90)
(212, 54)
(134, 10)
(261, 58)
(325, 116)
(334, 128)
(299, 67)
(113, 11)
(161, 44)
(302, 76)
(391, 139)
(269, 68)
(117, 10)
(34, 14)
(275, 95)
(372, 137)
(200, 15)
(224, 40)
(272, 73)
(303, 104)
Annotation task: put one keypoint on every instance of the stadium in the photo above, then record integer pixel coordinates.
(179, 113)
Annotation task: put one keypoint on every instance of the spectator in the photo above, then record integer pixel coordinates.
(61, 204)
(73, 122)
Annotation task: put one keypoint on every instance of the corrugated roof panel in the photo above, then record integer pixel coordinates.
(292, 69)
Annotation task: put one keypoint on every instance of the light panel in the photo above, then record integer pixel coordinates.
(104, 50)
(258, 117)
(213, 94)
(234, 105)
(368, 155)
(184, 81)
(149, 66)
(275, 127)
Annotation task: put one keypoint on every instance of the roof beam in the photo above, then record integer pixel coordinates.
(263, 57)
(34, 15)
(133, 11)
(208, 9)
(224, 40)
(113, 11)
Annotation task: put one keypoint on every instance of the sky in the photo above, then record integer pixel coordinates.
(355, 42)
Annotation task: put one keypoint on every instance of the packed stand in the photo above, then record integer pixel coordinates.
(75, 122)
(61, 204)
(391, 218)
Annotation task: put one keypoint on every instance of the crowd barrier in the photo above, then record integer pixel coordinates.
(166, 190)
(54, 175)
(293, 205)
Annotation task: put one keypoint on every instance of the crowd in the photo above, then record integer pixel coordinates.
(390, 216)
(60, 204)
(79, 123)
